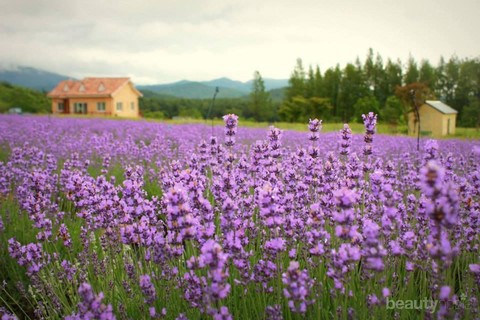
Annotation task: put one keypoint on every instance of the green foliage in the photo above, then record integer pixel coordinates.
(365, 105)
(28, 100)
(260, 107)
(392, 113)
(455, 82)
(471, 113)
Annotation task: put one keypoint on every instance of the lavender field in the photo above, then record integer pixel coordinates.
(104, 219)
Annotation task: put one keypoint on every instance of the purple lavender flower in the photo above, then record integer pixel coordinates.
(346, 135)
(91, 306)
(69, 270)
(298, 288)
(274, 312)
(30, 255)
(222, 314)
(370, 123)
(231, 124)
(181, 224)
(274, 141)
(314, 126)
(148, 289)
(444, 204)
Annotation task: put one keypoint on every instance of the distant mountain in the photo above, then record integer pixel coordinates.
(271, 84)
(45, 81)
(31, 78)
(246, 87)
(203, 90)
(228, 83)
(192, 90)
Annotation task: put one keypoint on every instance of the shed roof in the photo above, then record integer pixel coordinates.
(440, 106)
(92, 87)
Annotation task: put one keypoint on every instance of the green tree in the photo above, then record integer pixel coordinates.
(331, 84)
(297, 81)
(447, 82)
(352, 88)
(394, 76)
(295, 100)
(471, 113)
(365, 105)
(261, 107)
(411, 74)
(427, 74)
(393, 111)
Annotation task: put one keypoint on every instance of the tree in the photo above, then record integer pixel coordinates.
(422, 93)
(394, 75)
(261, 107)
(319, 89)
(295, 95)
(364, 105)
(412, 73)
(352, 88)
(392, 113)
(448, 75)
(471, 113)
(427, 74)
(467, 93)
(331, 85)
(297, 81)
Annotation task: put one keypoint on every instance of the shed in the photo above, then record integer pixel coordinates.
(436, 119)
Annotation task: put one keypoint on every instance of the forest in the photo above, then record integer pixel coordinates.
(340, 94)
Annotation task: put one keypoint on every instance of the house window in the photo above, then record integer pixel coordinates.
(80, 107)
(119, 106)
(101, 106)
(132, 105)
(60, 107)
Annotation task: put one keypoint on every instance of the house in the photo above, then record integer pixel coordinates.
(436, 119)
(96, 96)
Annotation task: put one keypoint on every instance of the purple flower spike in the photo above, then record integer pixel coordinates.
(148, 289)
(91, 306)
(370, 123)
(298, 287)
(315, 126)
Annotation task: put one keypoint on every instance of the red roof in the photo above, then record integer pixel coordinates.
(91, 87)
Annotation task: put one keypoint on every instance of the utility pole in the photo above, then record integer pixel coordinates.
(211, 106)
(417, 115)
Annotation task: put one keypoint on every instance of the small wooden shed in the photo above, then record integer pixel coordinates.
(436, 119)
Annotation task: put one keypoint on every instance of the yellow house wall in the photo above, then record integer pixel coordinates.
(126, 95)
(91, 105)
(433, 121)
(453, 119)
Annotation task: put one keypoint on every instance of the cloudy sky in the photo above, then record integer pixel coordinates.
(159, 41)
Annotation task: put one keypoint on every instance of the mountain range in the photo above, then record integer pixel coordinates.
(45, 81)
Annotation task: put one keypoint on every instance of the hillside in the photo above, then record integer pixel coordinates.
(205, 89)
(32, 78)
(37, 79)
(192, 90)
(28, 100)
